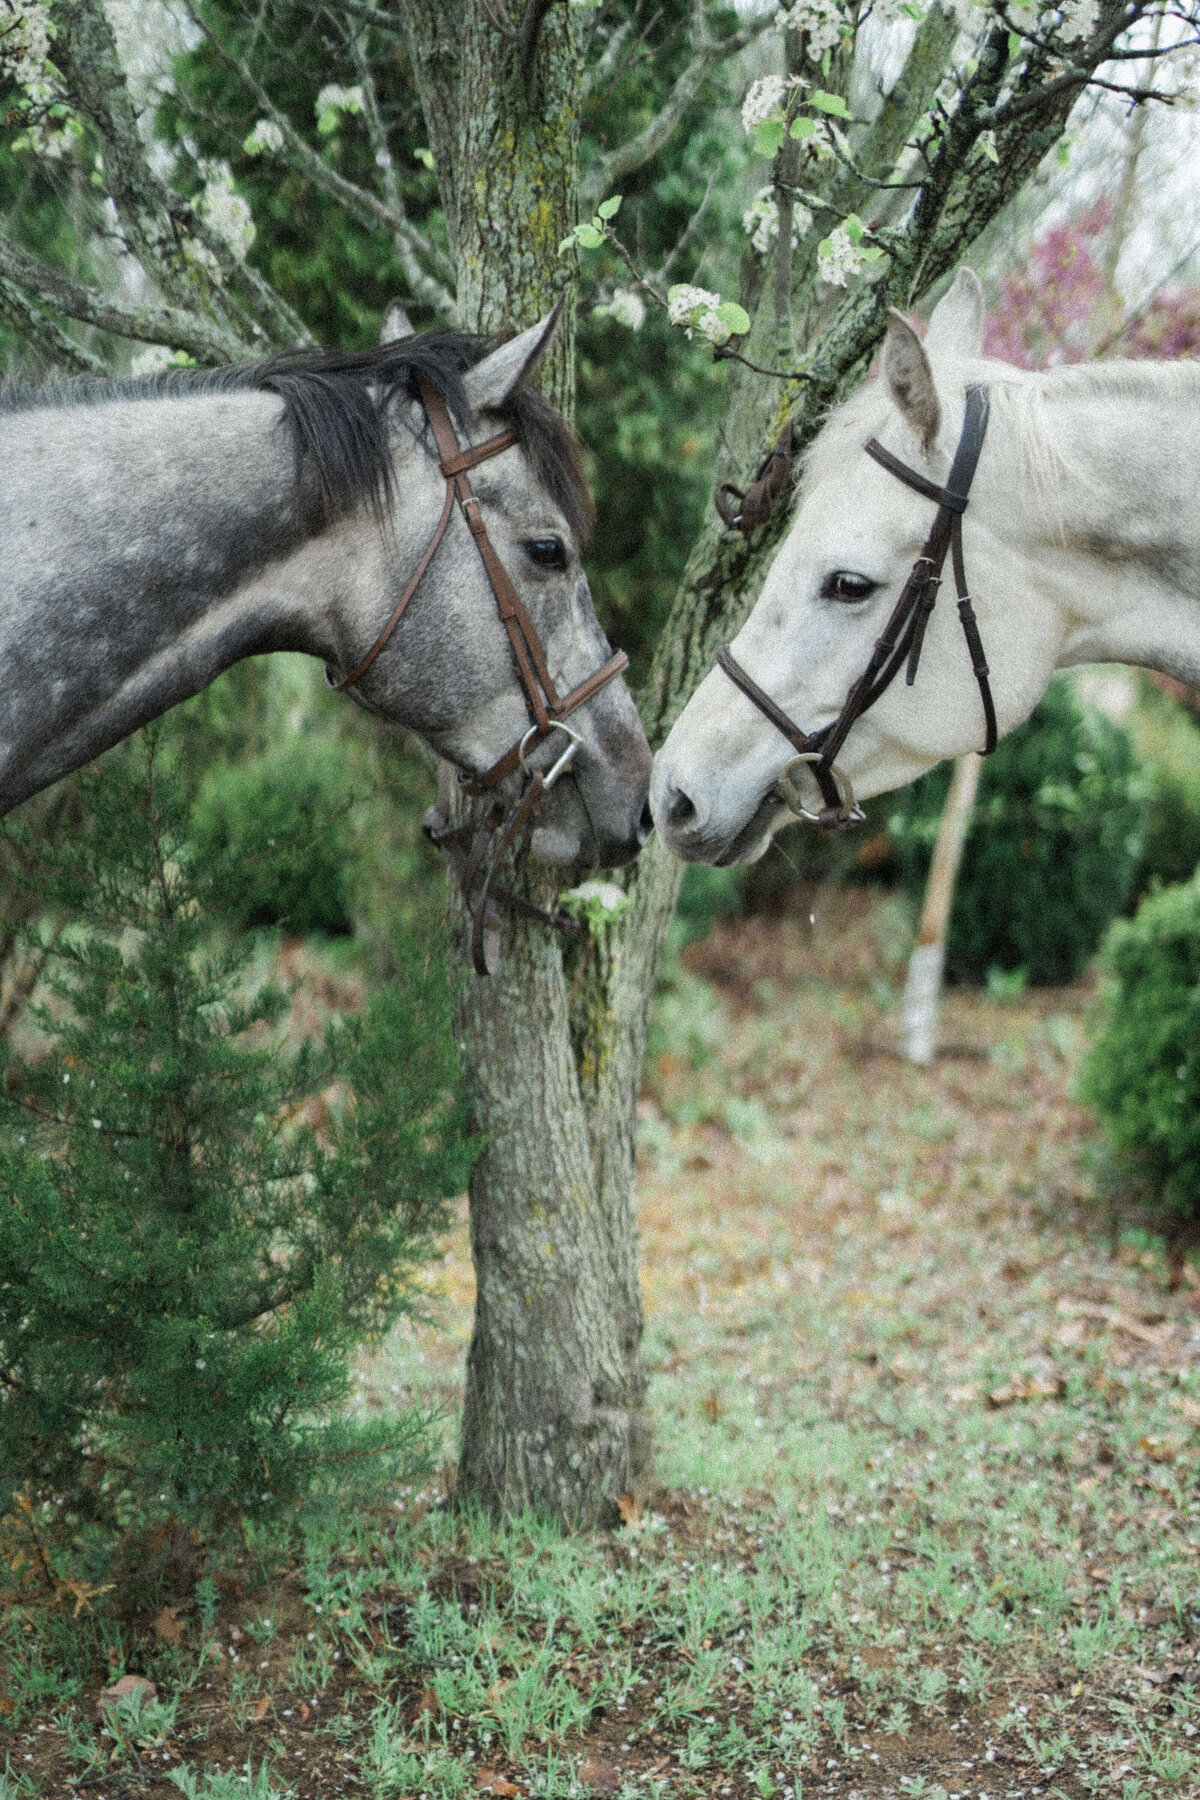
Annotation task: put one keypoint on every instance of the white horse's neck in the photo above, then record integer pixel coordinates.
(147, 545)
(1095, 482)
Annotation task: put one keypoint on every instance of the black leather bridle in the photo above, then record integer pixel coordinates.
(474, 852)
(902, 637)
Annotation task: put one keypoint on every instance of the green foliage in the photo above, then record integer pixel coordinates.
(1052, 850)
(1143, 1071)
(203, 1220)
(1167, 738)
(277, 827)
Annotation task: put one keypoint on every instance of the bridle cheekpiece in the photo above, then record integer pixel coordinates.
(902, 637)
(466, 847)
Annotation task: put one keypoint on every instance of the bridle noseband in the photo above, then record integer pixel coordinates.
(902, 637)
(466, 847)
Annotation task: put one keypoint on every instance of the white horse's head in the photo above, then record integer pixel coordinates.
(834, 583)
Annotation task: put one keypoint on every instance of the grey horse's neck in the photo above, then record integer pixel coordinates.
(146, 545)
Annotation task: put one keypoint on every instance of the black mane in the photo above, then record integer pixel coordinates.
(339, 405)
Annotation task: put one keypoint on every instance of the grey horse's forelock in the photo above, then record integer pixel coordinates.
(340, 408)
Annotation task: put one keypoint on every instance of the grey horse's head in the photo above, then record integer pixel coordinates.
(448, 671)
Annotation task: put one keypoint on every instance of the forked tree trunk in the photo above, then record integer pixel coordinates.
(555, 1390)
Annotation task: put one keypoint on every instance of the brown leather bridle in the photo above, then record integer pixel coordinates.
(466, 847)
(902, 636)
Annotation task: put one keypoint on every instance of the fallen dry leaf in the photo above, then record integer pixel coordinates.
(1186, 1407)
(489, 1782)
(600, 1776)
(305, 1711)
(1116, 1320)
(168, 1626)
(1021, 1388)
(629, 1509)
(428, 1702)
(129, 1687)
(261, 1709)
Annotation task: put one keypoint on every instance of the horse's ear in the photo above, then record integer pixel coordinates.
(908, 375)
(959, 319)
(395, 324)
(489, 384)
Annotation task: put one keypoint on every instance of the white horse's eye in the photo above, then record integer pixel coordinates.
(546, 552)
(843, 584)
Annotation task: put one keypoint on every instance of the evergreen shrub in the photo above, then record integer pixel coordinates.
(275, 832)
(1142, 1073)
(1167, 738)
(202, 1220)
(1053, 847)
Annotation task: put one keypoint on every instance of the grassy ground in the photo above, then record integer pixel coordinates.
(927, 1520)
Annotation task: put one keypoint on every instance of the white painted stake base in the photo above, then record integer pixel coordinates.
(919, 1007)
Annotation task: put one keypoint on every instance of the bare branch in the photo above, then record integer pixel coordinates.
(421, 284)
(690, 230)
(44, 333)
(147, 321)
(607, 171)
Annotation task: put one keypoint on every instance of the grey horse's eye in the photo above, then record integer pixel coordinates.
(546, 552)
(843, 584)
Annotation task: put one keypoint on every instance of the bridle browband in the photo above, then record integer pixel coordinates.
(465, 847)
(902, 636)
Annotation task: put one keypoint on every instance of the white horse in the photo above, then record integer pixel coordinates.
(1081, 544)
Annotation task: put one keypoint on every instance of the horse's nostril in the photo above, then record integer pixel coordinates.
(645, 825)
(679, 808)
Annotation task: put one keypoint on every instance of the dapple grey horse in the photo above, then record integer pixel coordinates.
(153, 533)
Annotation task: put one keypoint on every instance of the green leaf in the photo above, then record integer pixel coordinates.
(424, 156)
(871, 253)
(825, 247)
(568, 243)
(909, 10)
(588, 238)
(971, 67)
(829, 103)
(768, 137)
(735, 316)
(1016, 47)
(608, 209)
(1063, 152)
(803, 128)
(988, 146)
(854, 228)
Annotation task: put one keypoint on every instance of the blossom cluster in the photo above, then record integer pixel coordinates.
(266, 135)
(840, 258)
(24, 44)
(695, 308)
(332, 101)
(223, 209)
(761, 220)
(1079, 20)
(821, 22)
(625, 307)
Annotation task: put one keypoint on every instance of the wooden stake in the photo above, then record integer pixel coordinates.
(923, 988)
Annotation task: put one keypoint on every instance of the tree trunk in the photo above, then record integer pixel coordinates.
(554, 1414)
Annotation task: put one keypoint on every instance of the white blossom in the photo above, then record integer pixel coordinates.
(821, 22)
(267, 135)
(625, 307)
(695, 308)
(334, 99)
(764, 100)
(24, 44)
(761, 220)
(222, 208)
(1079, 20)
(839, 258)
